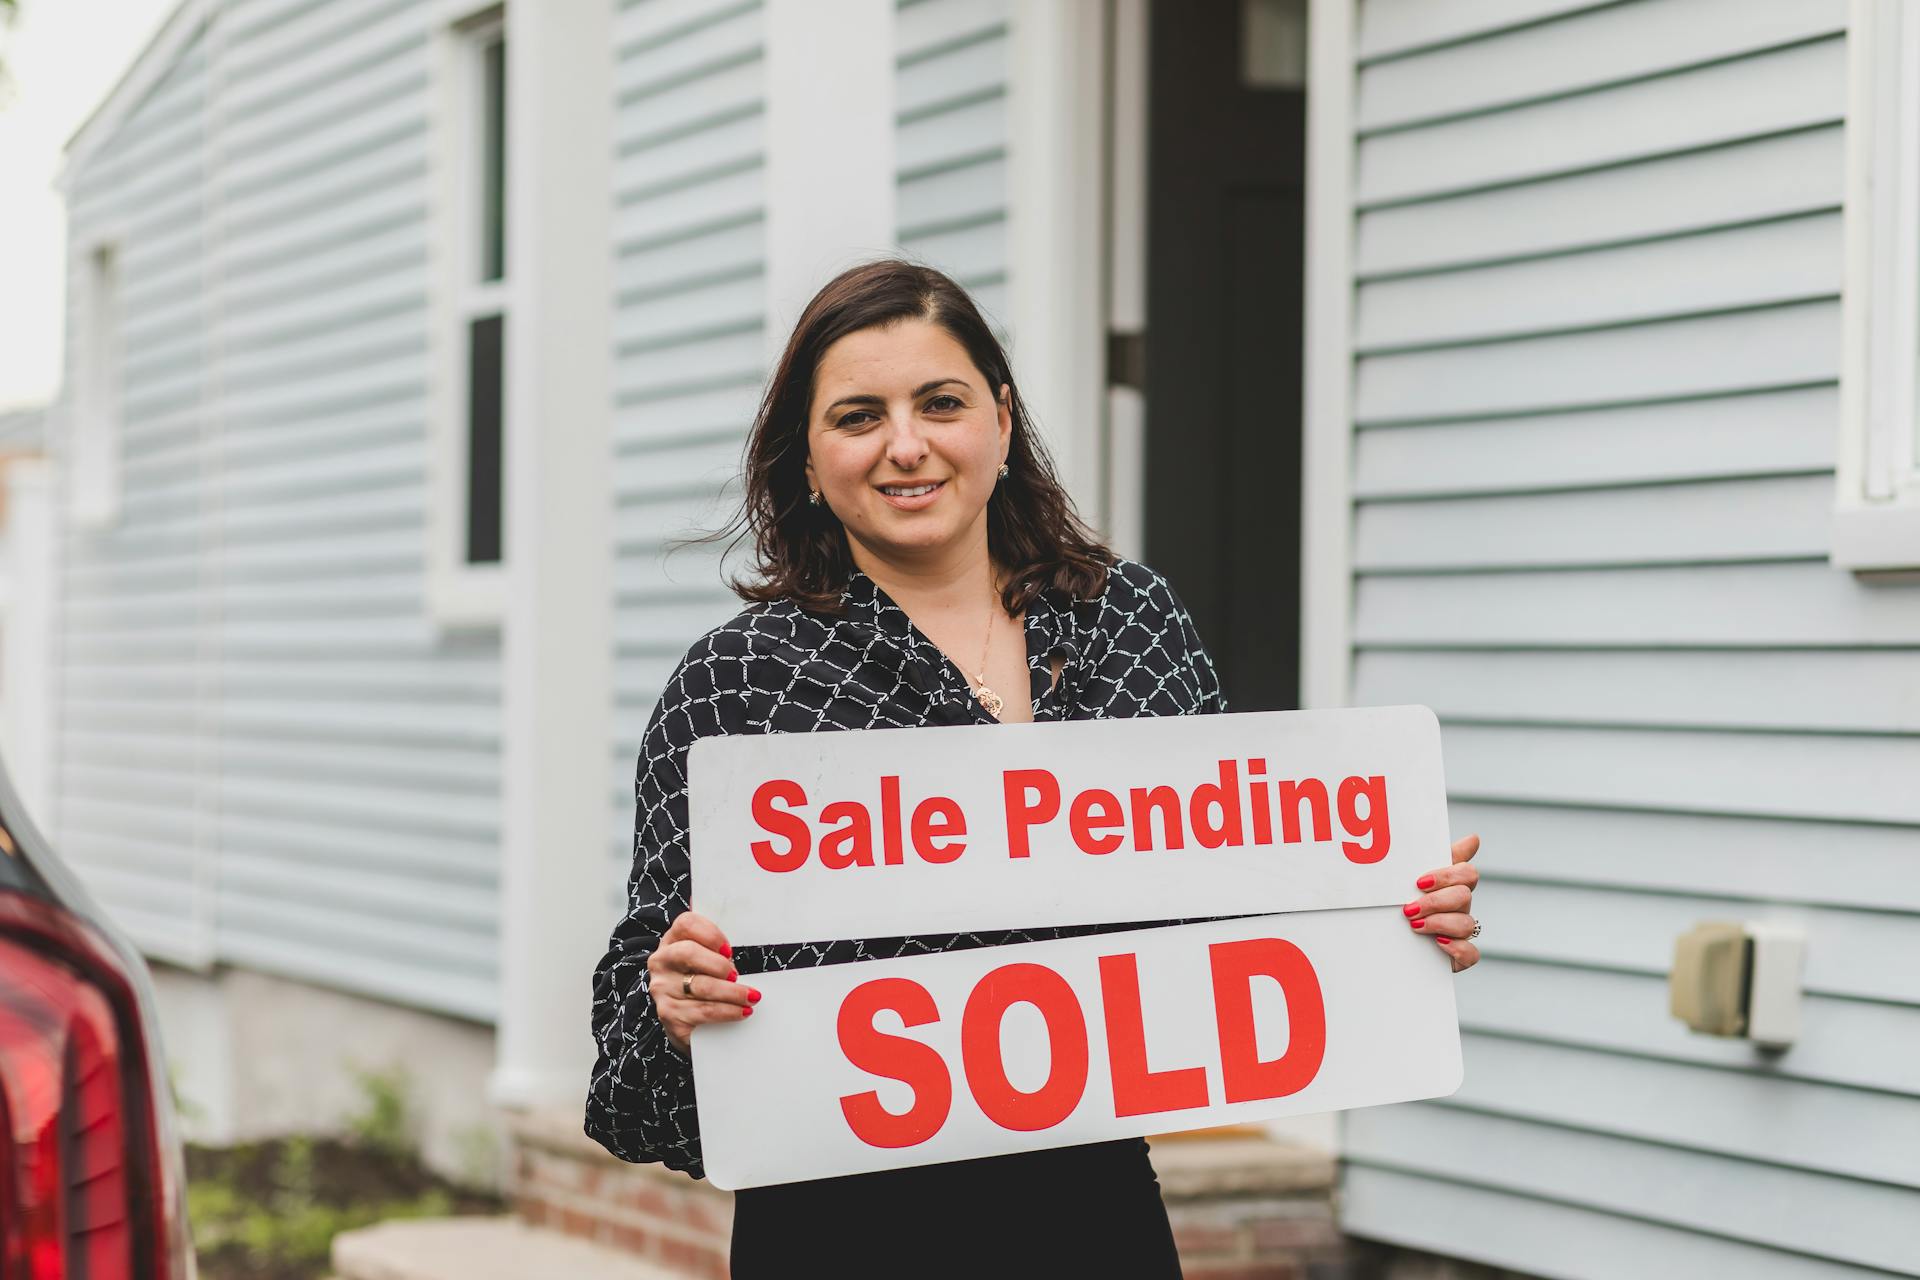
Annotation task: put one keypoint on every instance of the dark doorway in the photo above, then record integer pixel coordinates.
(1226, 165)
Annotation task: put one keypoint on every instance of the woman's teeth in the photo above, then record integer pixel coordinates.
(914, 492)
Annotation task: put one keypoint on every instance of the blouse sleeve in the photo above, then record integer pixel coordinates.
(640, 1104)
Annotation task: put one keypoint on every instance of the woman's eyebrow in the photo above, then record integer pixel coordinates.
(918, 391)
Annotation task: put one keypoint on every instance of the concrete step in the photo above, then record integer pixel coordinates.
(476, 1248)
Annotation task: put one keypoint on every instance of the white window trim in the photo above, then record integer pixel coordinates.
(96, 422)
(459, 594)
(1876, 516)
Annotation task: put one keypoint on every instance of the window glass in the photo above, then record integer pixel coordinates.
(484, 387)
(493, 160)
(1273, 44)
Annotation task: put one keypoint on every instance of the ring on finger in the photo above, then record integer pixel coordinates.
(686, 986)
(1476, 930)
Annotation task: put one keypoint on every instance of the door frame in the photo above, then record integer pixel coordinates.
(1057, 189)
(1077, 140)
(1327, 369)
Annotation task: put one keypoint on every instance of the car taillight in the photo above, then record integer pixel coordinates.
(81, 1187)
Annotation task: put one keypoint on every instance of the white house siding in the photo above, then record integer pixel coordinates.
(689, 295)
(253, 677)
(950, 142)
(134, 772)
(1597, 333)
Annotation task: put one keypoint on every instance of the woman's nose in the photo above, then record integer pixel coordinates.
(906, 446)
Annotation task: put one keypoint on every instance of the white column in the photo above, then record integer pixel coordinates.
(1056, 232)
(557, 631)
(830, 180)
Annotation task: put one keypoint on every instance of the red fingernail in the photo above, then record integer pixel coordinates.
(1419, 924)
(1438, 938)
(746, 1011)
(726, 949)
(733, 975)
(753, 997)
(1425, 882)
(1412, 908)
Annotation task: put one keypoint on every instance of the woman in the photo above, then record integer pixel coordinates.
(917, 564)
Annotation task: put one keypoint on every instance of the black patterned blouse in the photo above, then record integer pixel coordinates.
(777, 668)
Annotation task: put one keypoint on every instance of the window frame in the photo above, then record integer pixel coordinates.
(97, 424)
(463, 593)
(1876, 514)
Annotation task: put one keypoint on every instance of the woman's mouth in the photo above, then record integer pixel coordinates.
(911, 497)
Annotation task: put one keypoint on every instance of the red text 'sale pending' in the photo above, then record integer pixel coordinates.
(1233, 809)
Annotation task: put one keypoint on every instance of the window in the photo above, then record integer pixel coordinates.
(473, 314)
(94, 443)
(1876, 522)
(1273, 44)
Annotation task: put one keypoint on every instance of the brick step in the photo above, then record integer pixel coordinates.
(476, 1248)
(566, 1182)
(1243, 1205)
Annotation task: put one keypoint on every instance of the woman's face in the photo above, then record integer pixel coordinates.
(905, 441)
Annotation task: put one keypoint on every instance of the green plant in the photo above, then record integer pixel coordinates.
(384, 1122)
(293, 1171)
(478, 1155)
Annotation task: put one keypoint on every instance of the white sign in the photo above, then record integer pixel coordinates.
(806, 836)
(891, 1063)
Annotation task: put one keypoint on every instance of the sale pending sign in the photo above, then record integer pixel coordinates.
(1326, 817)
(800, 837)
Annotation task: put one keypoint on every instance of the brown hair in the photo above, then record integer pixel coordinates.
(801, 551)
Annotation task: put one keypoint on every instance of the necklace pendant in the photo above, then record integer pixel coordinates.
(989, 699)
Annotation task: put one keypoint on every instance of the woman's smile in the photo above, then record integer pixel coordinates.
(912, 497)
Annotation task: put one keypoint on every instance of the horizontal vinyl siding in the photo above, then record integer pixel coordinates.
(265, 587)
(1597, 340)
(360, 748)
(135, 749)
(950, 142)
(689, 293)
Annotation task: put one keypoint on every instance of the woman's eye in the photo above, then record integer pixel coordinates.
(848, 420)
(935, 402)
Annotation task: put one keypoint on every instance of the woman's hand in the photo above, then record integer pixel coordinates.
(1444, 912)
(692, 979)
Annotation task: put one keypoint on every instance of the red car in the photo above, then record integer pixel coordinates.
(92, 1180)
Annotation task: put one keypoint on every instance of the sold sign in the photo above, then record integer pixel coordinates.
(1327, 816)
(806, 836)
(860, 1067)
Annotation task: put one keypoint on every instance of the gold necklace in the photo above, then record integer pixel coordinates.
(987, 697)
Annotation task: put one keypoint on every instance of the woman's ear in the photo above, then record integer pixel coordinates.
(1005, 401)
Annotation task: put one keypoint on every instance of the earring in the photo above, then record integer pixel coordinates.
(1003, 471)
(813, 497)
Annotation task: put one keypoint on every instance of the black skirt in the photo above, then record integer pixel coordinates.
(1090, 1210)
